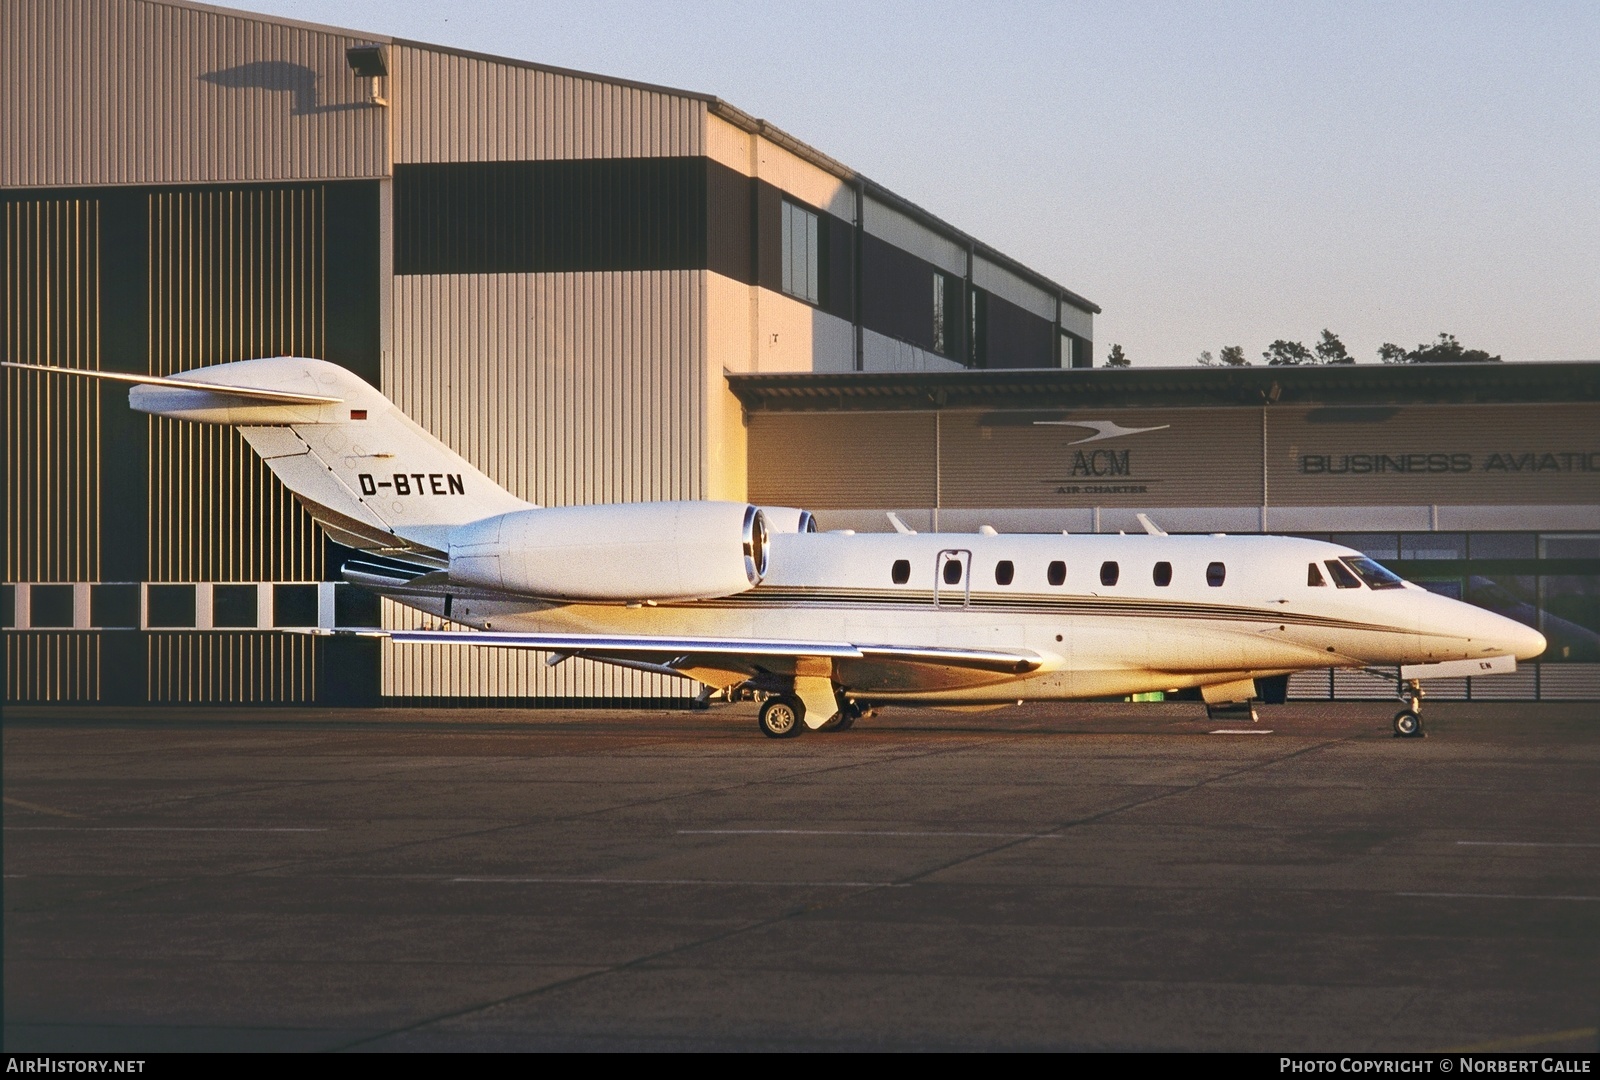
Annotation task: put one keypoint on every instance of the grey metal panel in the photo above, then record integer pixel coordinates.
(879, 352)
(470, 671)
(451, 107)
(1008, 286)
(842, 460)
(230, 667)
(1075, 320)
(137, 92)
(565, 388)
(1569, 682)
(54, 667)
(907, 234)
(52, 316)
(234, 274)
(1544, 454)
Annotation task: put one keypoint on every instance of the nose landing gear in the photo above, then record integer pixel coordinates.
(1408, 721)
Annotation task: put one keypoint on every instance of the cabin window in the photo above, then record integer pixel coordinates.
(1057, 572)
(1314, 576)
(1004, 572)
(1342, 576)
(952, 572)
(1216, 574)
(1374, 574)
(1109, 571)
(900, 572)
(1163, 574)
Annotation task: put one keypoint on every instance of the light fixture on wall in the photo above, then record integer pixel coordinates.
(368, 63)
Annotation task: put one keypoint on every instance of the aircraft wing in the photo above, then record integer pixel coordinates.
(728, 661)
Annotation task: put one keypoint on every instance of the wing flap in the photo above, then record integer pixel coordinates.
(723, 662)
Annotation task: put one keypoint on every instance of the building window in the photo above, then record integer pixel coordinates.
(941, 288)
(1057, 572)
(294, 605)
(52, 605)
(115, 606)
(1109, 572)
(170, 605)
(900, 572)
(802, 250)
(234, 605)
(1004, 572)
(1163, 574)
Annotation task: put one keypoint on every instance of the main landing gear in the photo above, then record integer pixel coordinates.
(1408, 721)
(783, 717)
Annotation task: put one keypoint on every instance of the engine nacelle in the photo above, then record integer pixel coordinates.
(788, 519)
(626, 552)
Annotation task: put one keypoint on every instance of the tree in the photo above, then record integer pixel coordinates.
(1205, 359)
(1446, 350)
(1117, 358)
(1233, 356)
(1330, 350)
(1291, 353)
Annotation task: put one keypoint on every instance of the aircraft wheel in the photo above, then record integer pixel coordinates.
(1407, 724)
(781, 718)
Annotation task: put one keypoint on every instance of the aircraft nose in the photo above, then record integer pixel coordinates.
(1503, 635)
(1523, 642)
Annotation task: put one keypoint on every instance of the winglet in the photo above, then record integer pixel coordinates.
(1149, 526)
(900, 526)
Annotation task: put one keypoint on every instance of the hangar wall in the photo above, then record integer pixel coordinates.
(552, 270)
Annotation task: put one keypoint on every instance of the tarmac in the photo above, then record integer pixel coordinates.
(1085, 877)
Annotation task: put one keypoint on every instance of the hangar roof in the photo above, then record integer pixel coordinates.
(1344, 385)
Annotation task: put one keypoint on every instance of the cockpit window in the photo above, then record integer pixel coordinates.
(1374, 574)
(1342, 576)
(1314, 576)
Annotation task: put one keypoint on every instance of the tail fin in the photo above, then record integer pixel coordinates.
(367, 473)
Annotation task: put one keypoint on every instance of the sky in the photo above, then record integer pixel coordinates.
(1209, 174)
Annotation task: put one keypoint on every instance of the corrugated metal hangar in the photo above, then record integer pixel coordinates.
(598, 290)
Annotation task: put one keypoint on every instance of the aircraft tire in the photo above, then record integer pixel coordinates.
(781, 717)
(1407, 725)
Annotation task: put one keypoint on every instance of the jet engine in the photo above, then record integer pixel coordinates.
(622, 552)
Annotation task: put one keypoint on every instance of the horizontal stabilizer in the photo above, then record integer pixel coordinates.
(249, 393)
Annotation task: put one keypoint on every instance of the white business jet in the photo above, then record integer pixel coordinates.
(823, 626)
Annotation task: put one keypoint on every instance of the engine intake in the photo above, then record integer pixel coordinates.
(621, 552)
